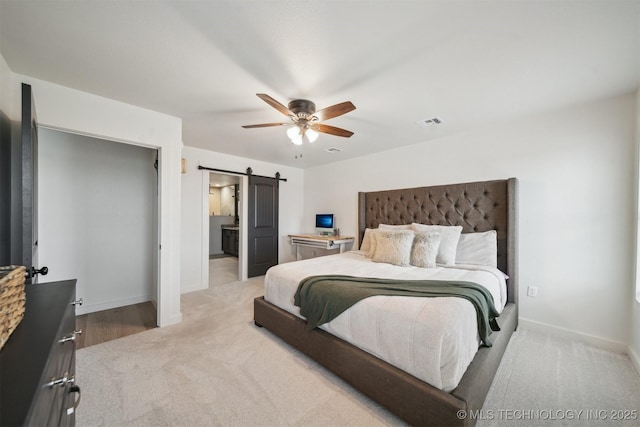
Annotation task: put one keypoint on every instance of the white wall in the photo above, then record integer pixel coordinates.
(215, 232)
(96, 200)
(6, 92)
(67, 109)
(576, 172)
(634, 345)
(227, 200)
(214, 201)
(195, 201)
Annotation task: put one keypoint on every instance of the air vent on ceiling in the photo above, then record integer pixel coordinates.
(333, 150)
(429, 122)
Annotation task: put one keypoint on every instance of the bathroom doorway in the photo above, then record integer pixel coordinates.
(224, 228)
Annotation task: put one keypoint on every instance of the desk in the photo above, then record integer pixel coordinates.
(317, 241)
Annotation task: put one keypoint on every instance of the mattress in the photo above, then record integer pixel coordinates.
(433, 339)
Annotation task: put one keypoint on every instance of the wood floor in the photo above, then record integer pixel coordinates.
(108, 325)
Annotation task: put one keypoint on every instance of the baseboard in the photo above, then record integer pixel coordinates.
(635, 360)
(602, 343)
(86, 309)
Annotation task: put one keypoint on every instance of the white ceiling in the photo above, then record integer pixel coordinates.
(469, 63)
(222, 180)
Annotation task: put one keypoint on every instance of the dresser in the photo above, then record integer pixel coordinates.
(37, 364)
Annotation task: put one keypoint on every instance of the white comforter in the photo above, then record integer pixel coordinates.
(433, 339)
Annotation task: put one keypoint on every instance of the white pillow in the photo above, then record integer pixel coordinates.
(393, 247)
(425, 249)
(373, 233)
(478, 248)
(366, 240)
(395, 227)
(449, 236)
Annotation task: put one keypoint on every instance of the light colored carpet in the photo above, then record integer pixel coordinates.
(545, 380)
(223, 270)
(217, 368)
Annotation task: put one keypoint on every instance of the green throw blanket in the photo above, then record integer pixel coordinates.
(323, 298)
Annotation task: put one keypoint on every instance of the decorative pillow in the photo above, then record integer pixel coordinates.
(374, 232)
(393, 247)
(449, 236)
(395, 227)
(478, 249)
(373, 240)
(366, 240)
(425, 249)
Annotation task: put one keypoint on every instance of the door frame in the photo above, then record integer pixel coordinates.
(162, 282)
(243, 212)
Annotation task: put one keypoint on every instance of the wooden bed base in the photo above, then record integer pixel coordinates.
(478, 206)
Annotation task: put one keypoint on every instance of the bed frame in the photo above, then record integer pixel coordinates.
(477, 206)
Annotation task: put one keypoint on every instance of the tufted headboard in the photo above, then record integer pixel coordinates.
(476, 206)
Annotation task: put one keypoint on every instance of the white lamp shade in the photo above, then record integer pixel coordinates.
(311, 134)
(295, 135)
(299, 135)
(293, 131)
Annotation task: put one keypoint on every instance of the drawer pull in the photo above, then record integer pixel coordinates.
(70, 337)
(60, 381)
(74, 389)
(77, 302)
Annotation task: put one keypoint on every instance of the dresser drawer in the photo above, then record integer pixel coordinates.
(70, 399)
(35, 367)
(57, 375)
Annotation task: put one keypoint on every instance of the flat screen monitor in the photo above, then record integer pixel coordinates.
(324, 223)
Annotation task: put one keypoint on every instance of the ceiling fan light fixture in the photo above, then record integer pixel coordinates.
(311, 134)
(299, 135)
(295, 135)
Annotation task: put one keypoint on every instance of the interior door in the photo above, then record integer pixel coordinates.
(5, 189)
(262, 232)
(27, 250)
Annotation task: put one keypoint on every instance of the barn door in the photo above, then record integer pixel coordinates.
(262, 232)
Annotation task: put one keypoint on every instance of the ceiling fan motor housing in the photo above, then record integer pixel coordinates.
(302, 108)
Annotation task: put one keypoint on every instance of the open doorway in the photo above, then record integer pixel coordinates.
(101, 227)
(224, 228)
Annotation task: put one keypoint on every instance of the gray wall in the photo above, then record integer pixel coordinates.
(98, 218)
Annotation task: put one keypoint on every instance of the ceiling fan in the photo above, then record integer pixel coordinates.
(305, 119)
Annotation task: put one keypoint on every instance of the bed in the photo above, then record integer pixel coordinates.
(420, 399)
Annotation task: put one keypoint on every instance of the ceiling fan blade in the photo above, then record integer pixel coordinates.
(265, 125)
(319, 127)
(334, 111)
(275, 104)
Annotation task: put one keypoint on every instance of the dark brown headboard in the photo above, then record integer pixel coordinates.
(476, 206)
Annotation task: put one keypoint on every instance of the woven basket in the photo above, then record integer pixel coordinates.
(12, 298)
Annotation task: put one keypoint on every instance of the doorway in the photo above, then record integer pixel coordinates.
(224, 209)
(101, 227)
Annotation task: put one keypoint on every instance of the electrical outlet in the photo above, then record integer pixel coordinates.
(532, 291)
